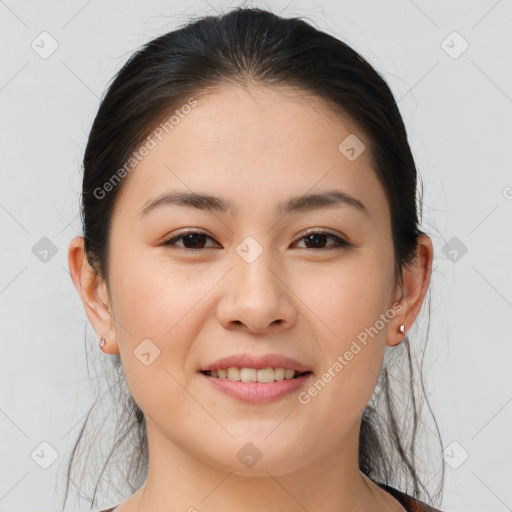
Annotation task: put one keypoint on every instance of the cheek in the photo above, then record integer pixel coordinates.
(350, 315)
(349, 301)
(155, 315)
(151, 294)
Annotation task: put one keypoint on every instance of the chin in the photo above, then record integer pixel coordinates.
(259, 457)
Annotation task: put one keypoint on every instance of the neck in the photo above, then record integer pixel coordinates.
(177, 481)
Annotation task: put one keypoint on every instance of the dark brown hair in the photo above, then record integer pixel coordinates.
(242, 46)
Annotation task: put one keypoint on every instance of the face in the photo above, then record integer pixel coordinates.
(311, 281)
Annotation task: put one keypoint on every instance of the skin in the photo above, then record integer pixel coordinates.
(199, 306)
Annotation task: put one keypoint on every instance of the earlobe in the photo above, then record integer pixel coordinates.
(92, 291)
(395, 338)
(107, 346)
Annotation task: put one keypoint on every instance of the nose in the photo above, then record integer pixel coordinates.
(256, 298)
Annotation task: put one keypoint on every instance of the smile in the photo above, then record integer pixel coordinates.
(244, 384)
(263, 375)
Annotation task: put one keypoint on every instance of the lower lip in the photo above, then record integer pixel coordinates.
(257, 392)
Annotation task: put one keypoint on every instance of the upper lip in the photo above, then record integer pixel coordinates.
(250, 361)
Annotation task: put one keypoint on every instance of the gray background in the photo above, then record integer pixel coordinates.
(458, 111)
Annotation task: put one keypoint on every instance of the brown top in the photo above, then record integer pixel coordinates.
(408, 502)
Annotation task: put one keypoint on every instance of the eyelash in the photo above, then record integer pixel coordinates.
(340, 242)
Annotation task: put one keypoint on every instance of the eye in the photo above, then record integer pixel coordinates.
(195, 240)
(316, 238)
(192, 240)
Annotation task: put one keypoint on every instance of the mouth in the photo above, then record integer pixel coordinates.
(257, 385)
(259, 375)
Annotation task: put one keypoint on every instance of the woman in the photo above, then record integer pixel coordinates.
(251, 247)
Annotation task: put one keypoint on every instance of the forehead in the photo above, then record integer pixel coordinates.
(255, 146)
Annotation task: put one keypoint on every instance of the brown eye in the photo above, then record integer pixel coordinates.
(191, 240)
(195, 240)
(317, 240)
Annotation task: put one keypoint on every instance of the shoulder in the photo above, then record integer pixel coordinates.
(409, 503)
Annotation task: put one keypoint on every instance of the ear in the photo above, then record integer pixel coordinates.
(410, 293)
(93, 292)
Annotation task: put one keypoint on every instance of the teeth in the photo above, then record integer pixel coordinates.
(279, 373)
(263, 375)
(248, 374)
(288, 374)
(233, 374)
(266, 375)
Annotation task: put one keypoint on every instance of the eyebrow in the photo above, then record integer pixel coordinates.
(303, 203)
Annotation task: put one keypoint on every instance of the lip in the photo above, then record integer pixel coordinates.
(250, 361)
(257, 392)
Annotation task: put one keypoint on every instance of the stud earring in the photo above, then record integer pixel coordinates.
(102, 342)
(402, 328)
